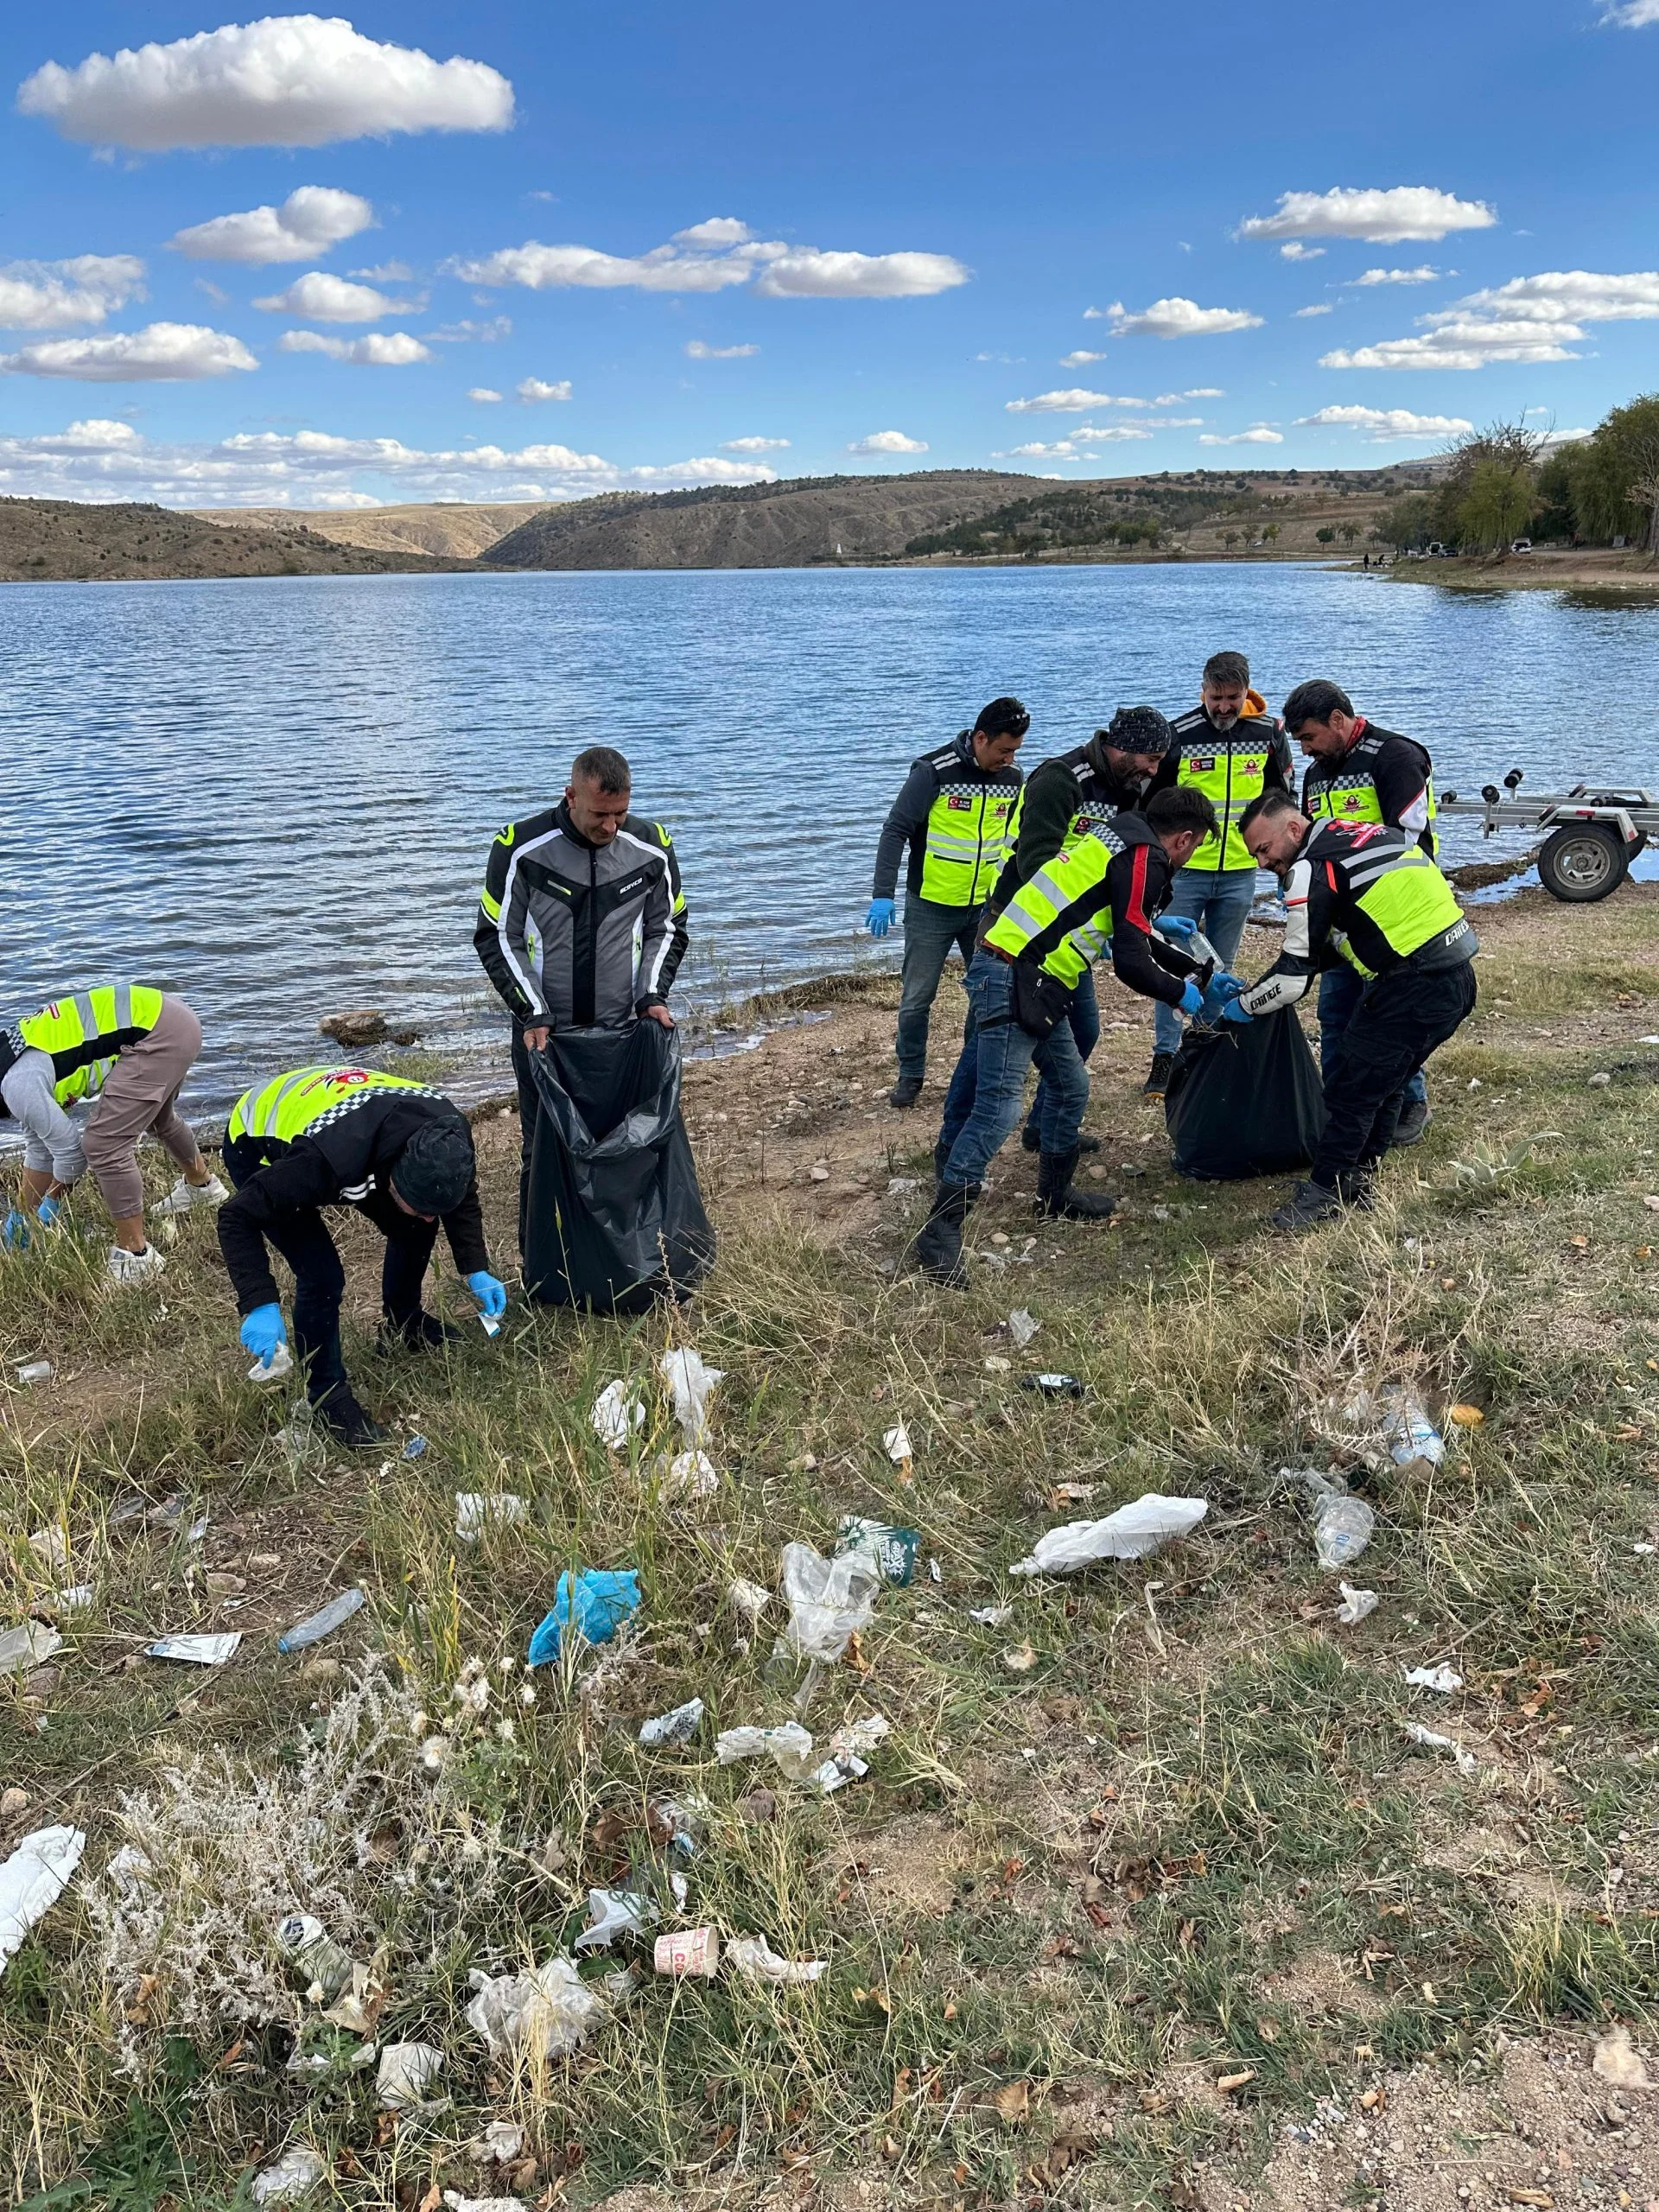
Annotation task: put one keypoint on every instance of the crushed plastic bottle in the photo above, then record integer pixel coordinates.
(1343, 1524)
(331, 1616)
(1409, 1433)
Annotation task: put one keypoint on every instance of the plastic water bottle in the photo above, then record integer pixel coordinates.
(333, 1616)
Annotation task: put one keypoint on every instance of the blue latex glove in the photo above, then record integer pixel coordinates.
(1236, 1010)
(1176, 925)
(595, 1603)
(15, 1230)
(47, 1212)
(491, 1295)
(262, 1333)
(1219, 992)
(879, 920)
(1191, 1000)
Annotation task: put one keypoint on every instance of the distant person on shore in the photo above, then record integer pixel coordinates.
(582, 923)
(1230, 749)
(1370, 899)
(124, 1050)
(1358, 771)
(952, 815)
(402, 1154)
(1106, 886)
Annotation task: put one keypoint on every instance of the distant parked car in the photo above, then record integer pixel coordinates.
(1521, 545)
(1433, 547)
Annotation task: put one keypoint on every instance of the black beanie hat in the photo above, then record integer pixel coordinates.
(434, 1169)
(1140, 730)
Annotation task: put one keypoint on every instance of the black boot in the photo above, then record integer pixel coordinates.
(338, 1411)
(937, 1248)
(1357, 1186)
(421, 1331)
(1055, 1195)
(1308, 1205)
(1031, 1139)
(906, 1091)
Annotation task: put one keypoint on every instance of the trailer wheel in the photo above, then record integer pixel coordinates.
(1583, 861)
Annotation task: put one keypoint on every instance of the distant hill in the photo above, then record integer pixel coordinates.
(450, 529)
(64, 541)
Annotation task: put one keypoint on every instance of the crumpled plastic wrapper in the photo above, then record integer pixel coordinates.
(792, 1751)
(829, 1600)
(692, 1384)
(545, 2012)
(617, 1413)
(406, 2072)
(1133, 1532)
(32, 1879)
(753, 1958)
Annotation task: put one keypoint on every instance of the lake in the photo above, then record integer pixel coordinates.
(276, 797)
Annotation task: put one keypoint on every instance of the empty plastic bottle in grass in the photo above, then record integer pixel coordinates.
(331, 1616)
(595, 1603)
(1343, 1524)
(1411, 1434)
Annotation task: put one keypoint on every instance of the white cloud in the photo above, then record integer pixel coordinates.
(1295, 250)
(482, 393)
(161, 353)
(1382, 424)
(1425, 275)
(310, 221)
(711, 258)
(1178, 317)
(1110, 433)
(379, 349)
(1530, 319)
(1403, 211)
(534, 388)
(1630, 15)
(216, 293)
(1080, 359)
(56, 295)
(888, 441)
(1195, 391)
(1075, 401)
(1062, 449)
(1259, 434)
(322, 298)
(466, 332)
(755, 445)
(1319, 306)
(697, 350)
(386, 272)
(286, 81)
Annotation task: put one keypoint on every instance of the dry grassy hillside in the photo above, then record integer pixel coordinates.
(446, 529)
(61, 541)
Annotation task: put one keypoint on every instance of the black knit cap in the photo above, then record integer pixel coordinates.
(434, 1169)
(1139, 729)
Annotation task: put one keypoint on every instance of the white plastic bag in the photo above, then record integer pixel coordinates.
(691, 1383)
(677, 1727)
(407, 2071)
(476, 1510)
(289, 2178)
(612, 1913)
(545, 2012)
(829, 1600)
(753, 1958)
(617, 1413)
(1446, 1680)
(32, 1879)
(1357, 1606)
(1133, 1532)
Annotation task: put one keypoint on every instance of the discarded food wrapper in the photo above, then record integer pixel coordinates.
(992, 1616)
(1343, 1524)
(891, 1551)
(318, 1964)
(491, 1324)
(688, 1951)
(677, 1727)
(32, 1880)
(476, 1510)
(1054, 1385)
(322, 1622)
(1133, 1532)
(1022, 1326)
(31, 1371)
(416, 1448)
(27, 1646)
(612, 1913)
(545, 2012)
(791, 1748)
(1467, 1763)
(1446, 1680)
(690, 1475)
(501, 2143)
(358, 2009)
(748, 1600)
(753, 1958)
(199, 1651)
(289, 2178)
(280, 1363)
(407, 2070)
(617, 1413)
(829, 1600)
(1465, 1416)
(594, 1603)
(1357, 1604)
(895, 1441)
(691, 1383)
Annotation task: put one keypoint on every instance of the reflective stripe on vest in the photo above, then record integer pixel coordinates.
(969, 835)
(1351, 797)
(1231, 771)
(1405, 896)
(308, 1099)
(83, 1034)
(1078, 869)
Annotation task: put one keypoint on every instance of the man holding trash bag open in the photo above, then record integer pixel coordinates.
(1370, 896)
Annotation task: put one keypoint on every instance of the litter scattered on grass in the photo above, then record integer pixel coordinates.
(1052, 1385)
(1465, 1416)
(1020, 1661)
(27, 1646)
(829, 1600)
(617, 1413)
(416, 1448)
(32, 1880)
(895, 1442)
(677, 1727)
(32, 1371)
(289, 2178)
(692, 1384)
(280, 1364)
(197, 1650)
(476, 1510)
(501, 2143)
(1023, 1327)
(992, 1616)
(543, 2013)
(407, 2071)
(51, 1547)
(892, 1552)
(754, 1959)
(1133, 1532)
(688, 1951)
(612, 1913)
(1343, 1524)
(748, 1600)
(1615, 2059)
(594, 1603)
(1467, 1763)
(322, 1622)
(690, 1475)
(1446, 1680)
(1357, 1604)
(317, 1963)
(792, 1749)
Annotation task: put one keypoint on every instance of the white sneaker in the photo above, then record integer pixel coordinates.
(183, 1196)
(127, 1268)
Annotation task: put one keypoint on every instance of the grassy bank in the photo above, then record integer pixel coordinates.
(1148, 1898)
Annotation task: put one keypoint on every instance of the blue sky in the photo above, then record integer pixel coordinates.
(901, 220)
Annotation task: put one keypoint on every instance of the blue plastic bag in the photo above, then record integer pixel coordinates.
(595, 1603)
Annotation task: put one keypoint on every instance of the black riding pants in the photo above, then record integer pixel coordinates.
(1403, 1015)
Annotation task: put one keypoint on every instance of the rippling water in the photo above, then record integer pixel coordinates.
(275, 796)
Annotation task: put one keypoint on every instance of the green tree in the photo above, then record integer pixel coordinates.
(1271, 533)
(1325, 536)
(1490, 487)
(1408, 523)
(1610, 470)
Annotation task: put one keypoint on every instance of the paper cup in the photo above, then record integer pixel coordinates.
(689, 1951)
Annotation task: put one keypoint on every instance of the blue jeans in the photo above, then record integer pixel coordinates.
(988, 1088)
(930, 932)
(1219, 901)
(1083, 1015)
(1340, 992)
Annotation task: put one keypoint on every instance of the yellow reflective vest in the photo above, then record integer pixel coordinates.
(1230, 768)
(84, 1034)
(308, 1099)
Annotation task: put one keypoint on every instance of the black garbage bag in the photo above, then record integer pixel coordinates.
(613, 1218)
(1244, 1099)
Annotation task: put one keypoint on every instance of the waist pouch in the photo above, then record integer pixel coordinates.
(1039, 999)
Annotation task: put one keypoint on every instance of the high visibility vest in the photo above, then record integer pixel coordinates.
(1077, 872)
(84, 1034)
(1230, 770)
(306, 1099)
(1400, 892)
(1350, 794)
(969, 835)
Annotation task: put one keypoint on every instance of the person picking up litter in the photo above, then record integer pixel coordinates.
(1106, 886)
(124, 1050)
(1370, 896)
(403, 1155)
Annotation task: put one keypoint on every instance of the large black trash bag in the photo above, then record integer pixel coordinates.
(614, 1219)
(1244, 1099)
